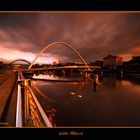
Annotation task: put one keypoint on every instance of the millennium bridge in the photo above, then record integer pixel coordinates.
(19, 106)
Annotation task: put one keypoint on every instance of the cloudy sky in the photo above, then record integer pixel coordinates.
(93, 35)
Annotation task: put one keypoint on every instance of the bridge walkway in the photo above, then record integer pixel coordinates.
(7, 98)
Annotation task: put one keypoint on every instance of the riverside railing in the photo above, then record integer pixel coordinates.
(19, 121)
(29, 111)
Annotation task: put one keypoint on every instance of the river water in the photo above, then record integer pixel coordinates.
(79, 103)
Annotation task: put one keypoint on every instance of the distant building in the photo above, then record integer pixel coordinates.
(111, 61)
(135, 57)
(1, 64)
(135, 61)
(78, 63)
(99, 63)
(54, 63)
(133, 65)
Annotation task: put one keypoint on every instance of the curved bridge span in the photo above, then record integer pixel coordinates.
(63, 43)
(20, 60)
(29, 111)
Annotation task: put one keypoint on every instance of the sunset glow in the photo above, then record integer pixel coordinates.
(93, 35)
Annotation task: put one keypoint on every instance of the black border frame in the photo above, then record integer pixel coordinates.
(69, 5)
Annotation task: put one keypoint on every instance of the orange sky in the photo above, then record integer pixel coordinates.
(93, 35)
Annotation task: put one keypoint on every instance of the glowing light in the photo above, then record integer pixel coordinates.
(75, 66)
(72, 93)
(126, 57)
(80, 96)
(25, 82)
(9, 55)
(8, 58)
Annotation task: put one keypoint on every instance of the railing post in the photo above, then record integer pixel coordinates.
(19, 107)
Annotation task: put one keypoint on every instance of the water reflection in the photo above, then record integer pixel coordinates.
(72, 89)
(112, 81)
(134, 78)
(58, 77)
(116, 102)
(95, 87)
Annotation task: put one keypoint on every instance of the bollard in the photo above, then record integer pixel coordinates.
(96, 79)
(96, 82)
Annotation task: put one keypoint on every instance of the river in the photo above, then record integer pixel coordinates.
(79, 103)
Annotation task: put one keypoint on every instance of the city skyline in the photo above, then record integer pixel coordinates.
(94, 35)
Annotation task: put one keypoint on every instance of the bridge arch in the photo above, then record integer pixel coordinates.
(20, 60)
(54, 43)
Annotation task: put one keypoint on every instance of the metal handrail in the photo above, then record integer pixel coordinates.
(42, 113)
(19, 107)
(19, 110)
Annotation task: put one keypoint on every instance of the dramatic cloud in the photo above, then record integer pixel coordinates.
(93, 35)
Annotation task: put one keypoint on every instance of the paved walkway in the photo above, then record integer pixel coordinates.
(7, 82)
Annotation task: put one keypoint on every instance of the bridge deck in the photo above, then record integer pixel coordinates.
(63, 67)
